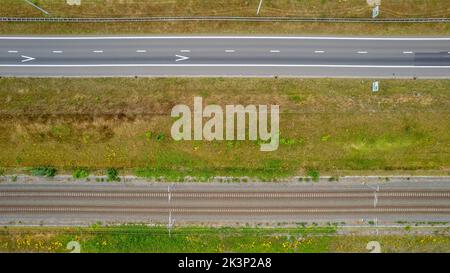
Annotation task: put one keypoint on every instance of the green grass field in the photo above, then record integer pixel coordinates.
(334, 126)
(200, 240)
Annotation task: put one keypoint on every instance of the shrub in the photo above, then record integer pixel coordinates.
(43, 171)
(333, 178)
(80, 173)
(112, 174)
(2, 172)
(148, 135)
(160, 137)
(314, 174)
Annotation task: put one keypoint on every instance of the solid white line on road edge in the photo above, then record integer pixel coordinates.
(227, 37)
(13, 51)
(57, 51)
(230, 50)
(319, 51)
(408, 52)
(141, 51)
(185, 50)
(274, 51)
(362, 52)
(224, 65)
(98, 51)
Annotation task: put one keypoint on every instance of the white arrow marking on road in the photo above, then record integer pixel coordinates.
(181, 58)
(27, 59)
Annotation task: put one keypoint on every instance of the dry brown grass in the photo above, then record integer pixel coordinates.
(314, 8)
(304, 8)
(230, 28)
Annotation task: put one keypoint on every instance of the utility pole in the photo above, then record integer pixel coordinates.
(259, 7)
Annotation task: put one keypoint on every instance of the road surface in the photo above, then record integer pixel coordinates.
(76, 204)
(226, 56)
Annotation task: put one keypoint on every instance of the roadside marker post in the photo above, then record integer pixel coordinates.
(376, 11)
(375, 86)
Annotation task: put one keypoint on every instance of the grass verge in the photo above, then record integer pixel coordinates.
(226, 28)
(328, 126)
(190, 239)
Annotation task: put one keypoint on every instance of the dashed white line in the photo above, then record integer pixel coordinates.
(230, 50)
(185, 50)
(13, 51)
(57, 51)
(408, 52)
(362, 52)
(141, 51)
(98, 51)
(274, 51)
(319, 51)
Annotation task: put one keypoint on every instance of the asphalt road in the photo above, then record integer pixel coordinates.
(75, 204)
(225, 56)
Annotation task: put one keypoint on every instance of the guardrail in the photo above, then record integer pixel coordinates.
(219, 18)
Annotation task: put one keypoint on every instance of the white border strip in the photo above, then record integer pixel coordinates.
(223, 37)
(219, 65)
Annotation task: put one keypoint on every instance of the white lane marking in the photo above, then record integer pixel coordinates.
(181, 58)
(98, 51)
(57, 51)
(362, 52)
(230, 50)
(141, 51)
(27, 58)
(224, 65)
(319, 51)
(185, 50)
(228, 37)
(408, 52)
(274, 51)
(13, 51)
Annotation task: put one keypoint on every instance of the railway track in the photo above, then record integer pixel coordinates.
(231, 195)
(233, 202)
